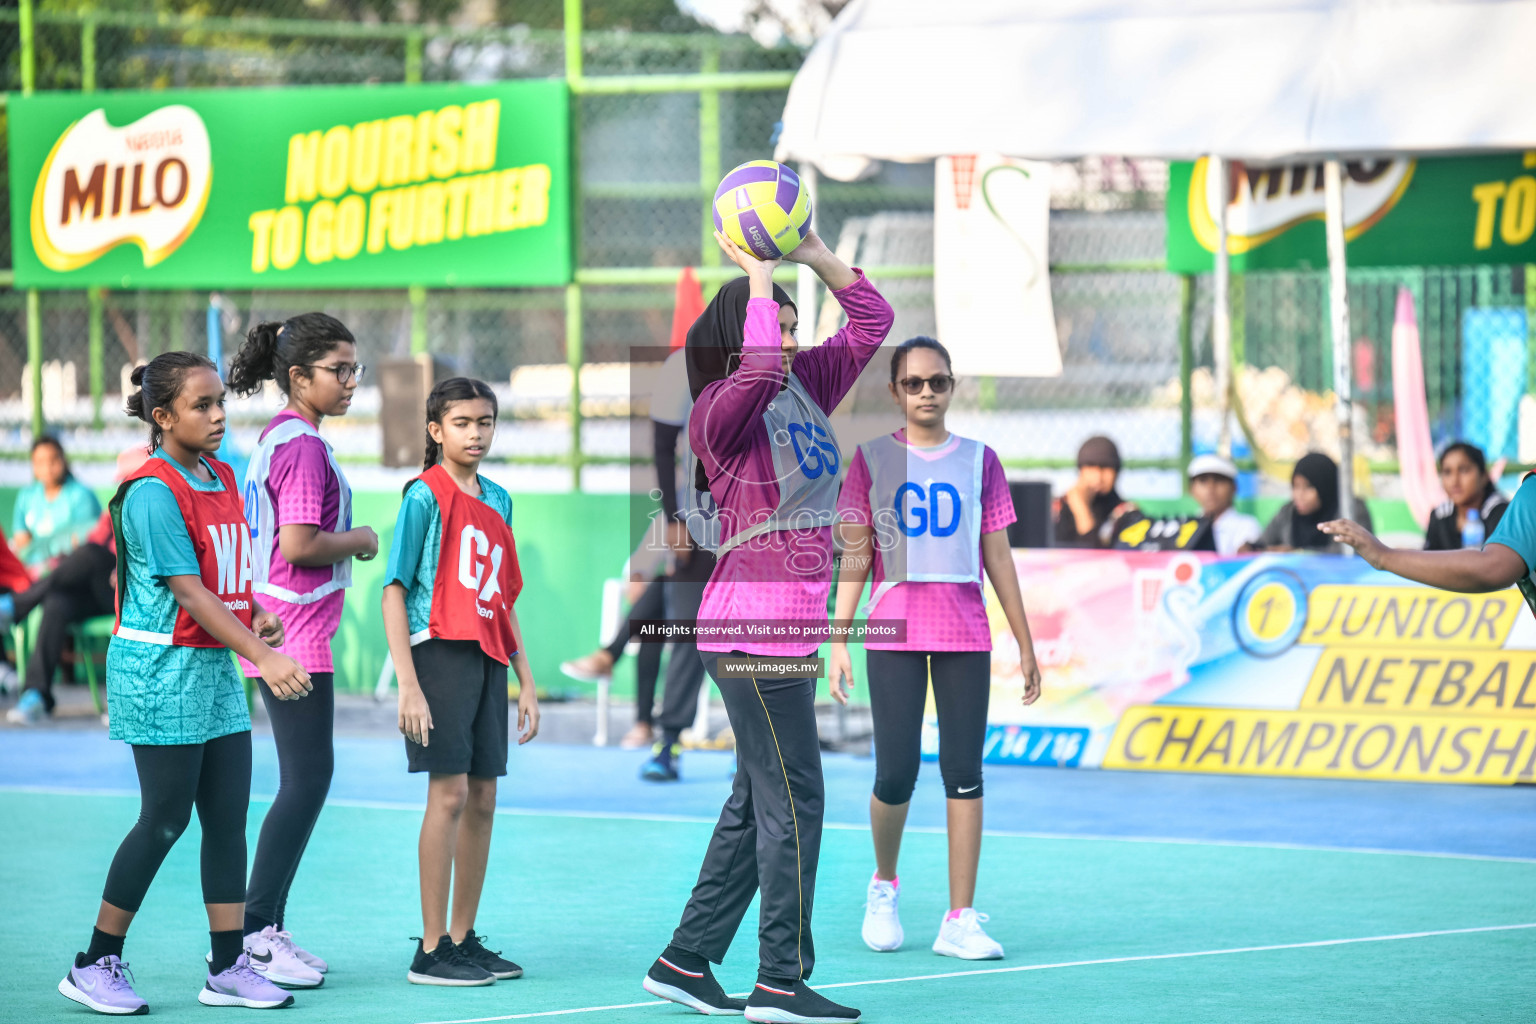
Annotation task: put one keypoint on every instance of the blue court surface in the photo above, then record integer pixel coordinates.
(1118, 896)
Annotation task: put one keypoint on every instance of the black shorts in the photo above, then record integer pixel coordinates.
(466, 692)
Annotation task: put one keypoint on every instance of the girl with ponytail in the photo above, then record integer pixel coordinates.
(299, 506)
(184, 600)
(449, 590)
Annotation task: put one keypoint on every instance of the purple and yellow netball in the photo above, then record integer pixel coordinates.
(762, 206)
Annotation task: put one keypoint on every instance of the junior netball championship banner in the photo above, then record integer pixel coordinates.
(1397, 212)
(357, 187)
(1287, 665)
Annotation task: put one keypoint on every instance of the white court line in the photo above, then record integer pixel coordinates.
(1044, 967)
(688, 819)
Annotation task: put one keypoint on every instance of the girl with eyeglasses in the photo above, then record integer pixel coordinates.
(299, 505)
(926, 511)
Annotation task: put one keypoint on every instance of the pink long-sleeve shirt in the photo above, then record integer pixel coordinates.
(784, 575)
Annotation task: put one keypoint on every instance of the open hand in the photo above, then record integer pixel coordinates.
(840, 673)
(1347, 531)
(754, 267)
(285, 677)
(415, 718)
(810, 249)
(527, 713)
(1030, 669)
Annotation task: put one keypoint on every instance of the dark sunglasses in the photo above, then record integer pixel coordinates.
(940, 383)
(344, 372)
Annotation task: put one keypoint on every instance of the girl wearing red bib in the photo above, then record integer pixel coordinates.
(927, 511)
(451, 583)
(184, 595)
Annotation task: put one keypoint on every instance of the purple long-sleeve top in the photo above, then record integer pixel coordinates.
(784, 575)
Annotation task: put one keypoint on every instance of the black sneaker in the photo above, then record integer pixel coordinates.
(473, 949)
(662, 767)
(445, 965)
(779, 1002)
(697, 990)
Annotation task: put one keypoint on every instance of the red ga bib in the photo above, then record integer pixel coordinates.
(478, 578)
(220, 538)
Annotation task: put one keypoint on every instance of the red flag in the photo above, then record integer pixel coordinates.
(689, 305)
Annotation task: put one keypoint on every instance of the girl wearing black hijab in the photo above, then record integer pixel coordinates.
(768, 467)
(1314, 501)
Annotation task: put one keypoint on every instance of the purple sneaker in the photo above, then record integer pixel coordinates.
(105, 986)
(243, 985)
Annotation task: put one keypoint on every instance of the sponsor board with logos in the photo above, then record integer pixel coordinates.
(1310, 666)
(1397, 212)
(355, 187)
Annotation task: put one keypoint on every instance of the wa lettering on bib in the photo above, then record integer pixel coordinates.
(220, 538)
(478, 578)
(926, 512)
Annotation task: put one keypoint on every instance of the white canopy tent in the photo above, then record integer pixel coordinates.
(1256, 80)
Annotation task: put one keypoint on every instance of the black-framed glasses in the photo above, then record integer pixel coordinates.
(940, 382)
(344, 372)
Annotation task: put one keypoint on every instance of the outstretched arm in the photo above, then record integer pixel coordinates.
(1466, 571)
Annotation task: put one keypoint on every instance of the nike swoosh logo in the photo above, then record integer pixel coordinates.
(970, 790)
(85, 984)
(259, 958)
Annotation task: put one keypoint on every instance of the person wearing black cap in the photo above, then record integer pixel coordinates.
(1086, 514)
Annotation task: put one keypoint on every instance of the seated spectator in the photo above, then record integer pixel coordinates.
(81, 586)
(1314, 500)
(1086, 514)
(53, 513)
(1213, 485)
(1464, 475)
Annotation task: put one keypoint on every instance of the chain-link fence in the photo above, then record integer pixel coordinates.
(1134, 337)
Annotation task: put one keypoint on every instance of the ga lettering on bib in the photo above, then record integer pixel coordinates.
(478, 578)
(221, 539)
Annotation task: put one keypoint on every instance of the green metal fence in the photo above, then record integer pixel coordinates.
(657, 119)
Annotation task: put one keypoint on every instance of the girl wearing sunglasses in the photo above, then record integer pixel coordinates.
(926, 511)
(299, 506)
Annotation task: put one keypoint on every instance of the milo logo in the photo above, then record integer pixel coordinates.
(1263, 201)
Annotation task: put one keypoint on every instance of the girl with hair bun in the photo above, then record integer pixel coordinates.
(449, 591)
(184, 596)
(299, 505)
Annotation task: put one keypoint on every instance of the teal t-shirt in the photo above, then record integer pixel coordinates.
(57, 527)
(159, 694)
(417, 541)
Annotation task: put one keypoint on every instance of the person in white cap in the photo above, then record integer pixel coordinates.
(1213, 485)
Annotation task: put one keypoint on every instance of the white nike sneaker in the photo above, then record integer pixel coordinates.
(272, 954)
(882, 927)
(308, 959)
(962, 937)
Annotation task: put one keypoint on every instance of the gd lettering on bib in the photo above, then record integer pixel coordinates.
(926, 512)
(478, 578)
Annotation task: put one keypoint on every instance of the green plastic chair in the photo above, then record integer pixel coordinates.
(88, 634)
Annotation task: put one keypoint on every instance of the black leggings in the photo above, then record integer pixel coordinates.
(78, 588)
(898, 690)
(651, 605)
(305, 759)
(215, 777)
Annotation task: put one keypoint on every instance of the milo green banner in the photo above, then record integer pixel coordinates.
(1397, 212)
(356, 187)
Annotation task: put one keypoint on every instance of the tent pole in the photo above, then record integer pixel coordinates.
(1338, 303)
(805, 282)
(1221, 315)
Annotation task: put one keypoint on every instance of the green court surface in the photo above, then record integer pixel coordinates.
(1096, 930)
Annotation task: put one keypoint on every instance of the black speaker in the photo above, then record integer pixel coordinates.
(1032, 506)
